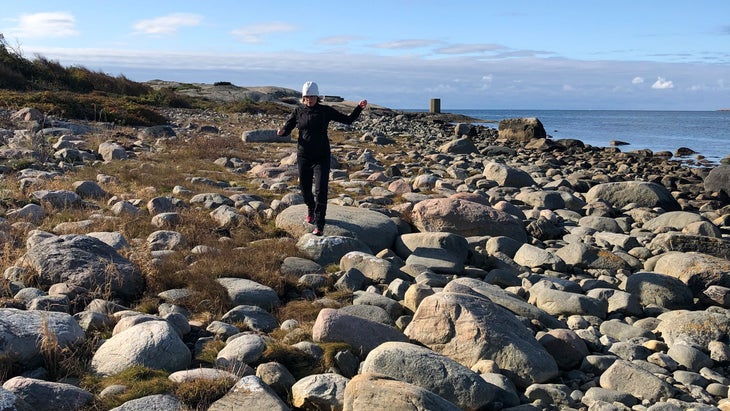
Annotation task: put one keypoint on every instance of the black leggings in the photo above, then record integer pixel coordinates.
(314, 172)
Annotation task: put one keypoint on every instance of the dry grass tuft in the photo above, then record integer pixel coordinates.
(298, 362)
(199, 394)
(140, 382)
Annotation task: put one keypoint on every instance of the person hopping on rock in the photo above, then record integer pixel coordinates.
(313, 149)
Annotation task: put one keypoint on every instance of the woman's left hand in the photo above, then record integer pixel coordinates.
(363, 104)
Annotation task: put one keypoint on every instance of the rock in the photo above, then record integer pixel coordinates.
(46, 395)
(690, 357)
(242, 291)
(673, 219)
(264, 136)
(21, 331)
(249, 393)
(718, 180)
(466, 218)
(297, 266)
(534, 257)
(277, 377)
(375, 392)
(466, 328)
(642, 194)
(623, 376)
(319, 392)
(391, 307)
(374, 229)
(673, 241)
(361, 334)
(165, 239)
(110, 150)
(153, 402)
(565, 346)
(521, 130)
(459, 146)
(698, 271)
(441, 252)
(202, 374)
(376, 269)
(661, 290)
(553, 394)
(507, 176)
(504, 299)
(329, 249)
(431, 371)
(255, 317)
(693, 327)
(153, 344)
(241, 349)
(557, 302)
(58, 199)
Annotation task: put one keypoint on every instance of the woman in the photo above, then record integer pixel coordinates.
(313, 149)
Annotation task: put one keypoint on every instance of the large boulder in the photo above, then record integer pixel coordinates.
(521, 129)
(361, 334)
(642, 194)
(624, 376)
(693, 327)
(718, 179)
(466, 218)
(46, 395)
(152, 344)
(84, 261)
(661, 290)
(429, 370)
(374, 229)
(507, 176)
(697, 270)
(250, 393)
(22, 332)
(377, 392)
(438, 251)
(468, 328)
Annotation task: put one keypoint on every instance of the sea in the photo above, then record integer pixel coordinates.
(707, 133)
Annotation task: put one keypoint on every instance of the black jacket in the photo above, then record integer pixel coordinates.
(312, 123)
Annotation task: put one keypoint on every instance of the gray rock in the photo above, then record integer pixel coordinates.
(690, 357)
(89, 189)
(109, 151)
(623, 332)
(372, 228)
(465, 218)
(277, 377)
(467, 328)
(249, 393)
(376, 392)
(201, 374)
(556, 302)
(521, 130)
(329, 249)
(20, 332)
(693, 327)
(84, 261)
(48, 396)
(298, 266)
(377, 270)
(361, 334)
(552, 394)
(718, 179)
(531, 256)
(58, 199)
(165, 239)
(441, 252)
(625, 377)
(155, 402)
(620, 302)
(153, 344)
(566, 347)
(319, 392)
(698, 271)
(240, 349)
(264, 136)
(255, 317)
(676, 220)
(434, 372)
(369, 312)
(504, 299)
(242, 291)
(610, 396)
(114, 239)
(32, 213)
(642, 194)
(541, 199)
(661, 290)
(673, 241)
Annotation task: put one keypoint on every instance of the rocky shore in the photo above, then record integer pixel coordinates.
(483, 269)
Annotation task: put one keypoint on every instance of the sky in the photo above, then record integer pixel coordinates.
(480, 54)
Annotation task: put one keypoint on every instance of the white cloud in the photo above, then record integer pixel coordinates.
(405, 44)
(637, 80)
(44, 25)
(337, 40)
(169, 24)
(469, 48)
(662, 84)
(254, 34)
(568, 87)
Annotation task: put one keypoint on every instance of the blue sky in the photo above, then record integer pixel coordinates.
(638, 54)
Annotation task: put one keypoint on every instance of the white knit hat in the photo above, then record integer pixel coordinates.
(310, 89)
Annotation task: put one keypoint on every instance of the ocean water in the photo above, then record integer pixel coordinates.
(705, 132)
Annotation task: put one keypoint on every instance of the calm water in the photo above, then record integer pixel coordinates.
(706, 132)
